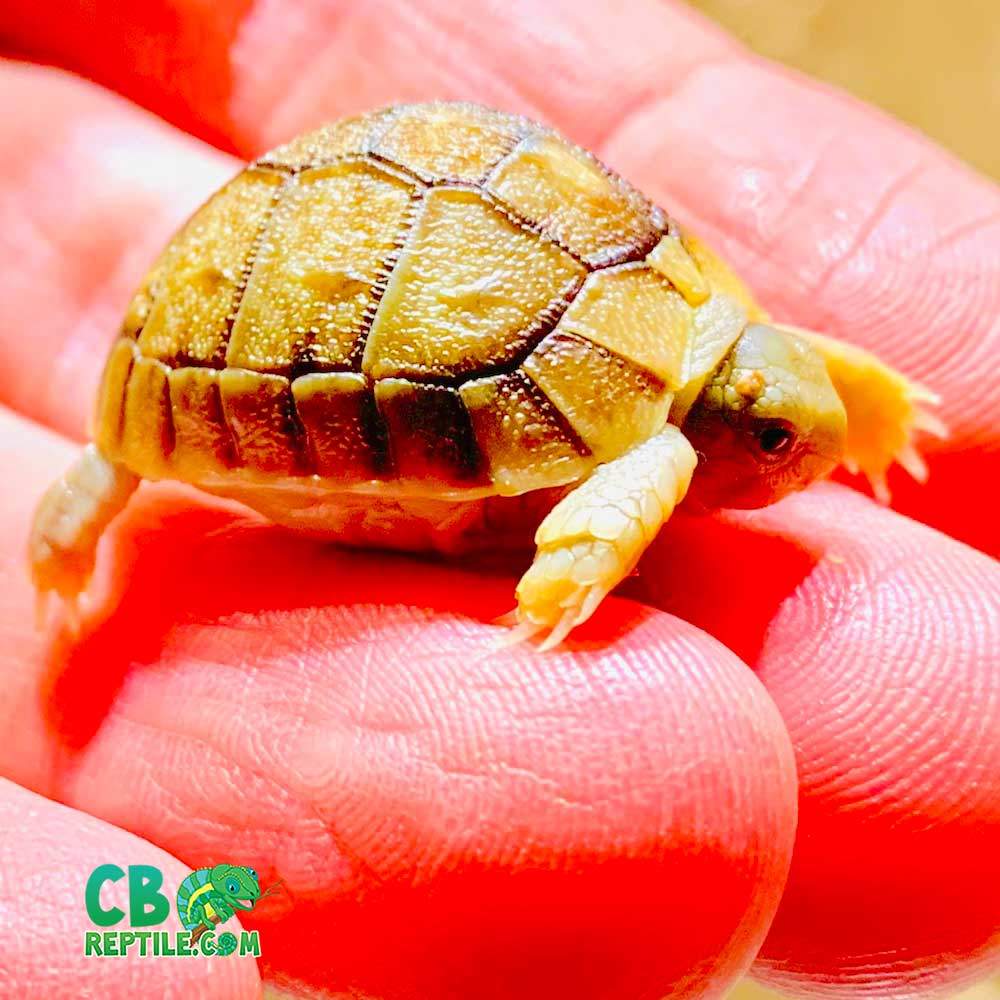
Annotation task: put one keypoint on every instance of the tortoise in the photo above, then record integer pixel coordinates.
(437, 326)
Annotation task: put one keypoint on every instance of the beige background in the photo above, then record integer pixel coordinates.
(933, 63)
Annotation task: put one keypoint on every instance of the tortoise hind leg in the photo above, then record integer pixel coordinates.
(70, 519)
(885, 411)
(592, 539)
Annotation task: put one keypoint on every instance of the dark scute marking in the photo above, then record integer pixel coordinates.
(660, 220)
(342, 434)
(228, 456)
(552, 413)
(410, 174)
(297, 433)
(108, 391)
(394, 166)
(265, 424)
(304, 359)
(169, 431)
(430, 432)
(376, 434)
(279, 168)
(646, 380)
(378, 289)
(209, 411)
(630, 255)
(184, 360)
(246, 269)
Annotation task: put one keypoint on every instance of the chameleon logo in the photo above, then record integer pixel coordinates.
(210, 896)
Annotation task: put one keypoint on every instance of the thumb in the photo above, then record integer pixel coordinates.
(49, 852)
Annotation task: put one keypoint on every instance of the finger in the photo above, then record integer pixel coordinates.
(49, 852)
(255, 74)
(840, 218)
(448, 817)
(94, 189)
(877, 638)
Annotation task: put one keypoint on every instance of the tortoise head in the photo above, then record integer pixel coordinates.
(767, 422)
(238, 884)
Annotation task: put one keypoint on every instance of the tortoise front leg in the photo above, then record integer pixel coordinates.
(592, 539)
(70, 519)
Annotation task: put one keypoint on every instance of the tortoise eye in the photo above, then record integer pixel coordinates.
(774, 439)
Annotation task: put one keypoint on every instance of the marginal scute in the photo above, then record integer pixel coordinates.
(470, 290)
(430, 435)
(611, 403)
(524, 439)
(458, 142)
(321, 253)
(671, 258)
(717, 324)
(137, 312)
(350, 136)
(107, 427)
(194, 285)
(202, 439)
(147, 429)
(337, 412)
(597, 215)
(259, 410)
(721, 277)
(634, 312)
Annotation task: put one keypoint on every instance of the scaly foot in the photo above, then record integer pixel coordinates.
(592, 539)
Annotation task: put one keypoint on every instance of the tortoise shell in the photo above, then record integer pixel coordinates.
(441, 295)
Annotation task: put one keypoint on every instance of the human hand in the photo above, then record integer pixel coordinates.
(609, 820)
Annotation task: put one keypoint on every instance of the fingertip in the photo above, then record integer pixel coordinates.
(877, 638)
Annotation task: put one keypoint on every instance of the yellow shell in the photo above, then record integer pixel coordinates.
(440, 296)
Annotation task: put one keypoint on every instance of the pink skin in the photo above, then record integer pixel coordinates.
(56, 849)
(440, 814)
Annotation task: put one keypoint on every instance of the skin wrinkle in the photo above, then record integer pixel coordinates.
(881, 715)
(899, 184)
(656, 96)
(223, 829)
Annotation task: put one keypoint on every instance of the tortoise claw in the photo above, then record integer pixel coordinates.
(929, 423)
(911, 460)
(560, 630)
(521, 632)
